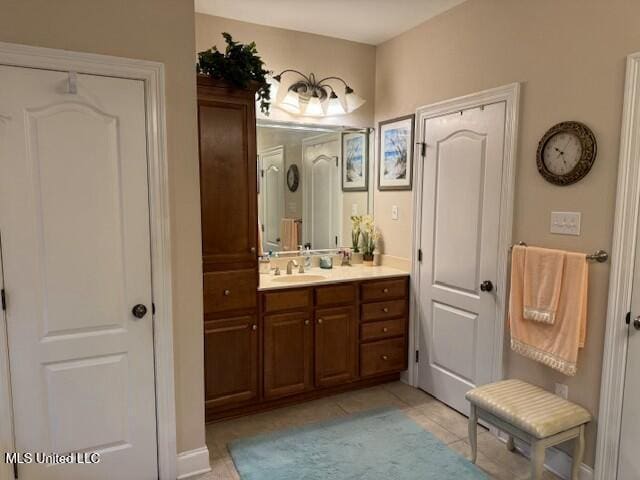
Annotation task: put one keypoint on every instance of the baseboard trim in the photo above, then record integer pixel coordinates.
(193, 462)
(556, 461)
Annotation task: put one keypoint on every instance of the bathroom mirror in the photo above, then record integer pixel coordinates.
(311, 180)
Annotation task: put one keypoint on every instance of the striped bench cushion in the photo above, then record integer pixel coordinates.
(529, 408)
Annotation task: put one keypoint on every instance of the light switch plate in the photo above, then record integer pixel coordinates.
(565, 223)
(354, 209)
(394, 213)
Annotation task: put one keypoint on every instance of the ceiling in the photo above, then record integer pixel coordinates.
(365, 21)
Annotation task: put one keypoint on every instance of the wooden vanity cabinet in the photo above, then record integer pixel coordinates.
(231, 361)
(229, 205)
(336, 346)
(288, 354)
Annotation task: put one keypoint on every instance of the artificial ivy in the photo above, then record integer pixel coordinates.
(239, 65)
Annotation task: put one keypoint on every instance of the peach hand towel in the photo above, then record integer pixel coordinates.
(554, 345)
(288, 234)
(543, 270)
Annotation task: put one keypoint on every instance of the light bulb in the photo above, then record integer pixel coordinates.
(314, 108)
(291, 102)
(334, 106)
(353, 101)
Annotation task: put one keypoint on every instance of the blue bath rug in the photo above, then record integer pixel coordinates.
(381, 444)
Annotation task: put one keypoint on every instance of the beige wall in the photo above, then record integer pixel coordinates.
(160, 30)
(281, 49)
(570, 58)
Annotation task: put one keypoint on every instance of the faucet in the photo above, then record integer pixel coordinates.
(290, 265)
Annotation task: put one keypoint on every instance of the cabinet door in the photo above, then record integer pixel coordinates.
(228, 188)
(230, 361)
(336, 345)
(288, 354)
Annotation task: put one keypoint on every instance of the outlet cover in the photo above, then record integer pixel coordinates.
(565, 223)
(354, 209)
(394, 213)
(562, 390)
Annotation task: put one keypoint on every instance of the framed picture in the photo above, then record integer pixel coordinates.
(355, 162)
(395, 155)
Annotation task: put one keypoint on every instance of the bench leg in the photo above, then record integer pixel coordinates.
(510, 444)
(578, 451)
(473, 433)
(537, 460)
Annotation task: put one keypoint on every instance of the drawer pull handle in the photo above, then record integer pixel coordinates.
(385, 290)
(306, 322)
(385, 310)
(385, 329)
(253, 249)
(254, 327)
(227, 293)
(319, 320)
(384, 357)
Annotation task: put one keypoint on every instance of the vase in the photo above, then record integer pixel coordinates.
(367, 259)
(356, 257)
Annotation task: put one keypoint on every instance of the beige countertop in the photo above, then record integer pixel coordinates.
(318, 276)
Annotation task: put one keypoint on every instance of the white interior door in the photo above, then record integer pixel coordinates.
(74, 220)
(459, 240)
(272, 193)
(323, 192)
(629, 460)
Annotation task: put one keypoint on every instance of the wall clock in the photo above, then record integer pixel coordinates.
(293, 177)
(566, 153)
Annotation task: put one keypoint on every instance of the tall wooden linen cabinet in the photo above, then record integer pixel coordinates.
(229, 205)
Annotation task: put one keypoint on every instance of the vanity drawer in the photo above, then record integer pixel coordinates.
(295, 299)
(383, 289)
(336, 295)
(226, 291)
(382, 310)
(382, 357)
(383, 329)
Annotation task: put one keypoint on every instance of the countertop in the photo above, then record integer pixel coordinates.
(330, 276)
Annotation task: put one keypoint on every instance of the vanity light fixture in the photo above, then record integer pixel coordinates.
(314, 98)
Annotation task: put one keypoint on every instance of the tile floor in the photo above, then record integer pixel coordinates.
(443, 422)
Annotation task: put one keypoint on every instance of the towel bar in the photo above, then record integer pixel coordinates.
(599, 256)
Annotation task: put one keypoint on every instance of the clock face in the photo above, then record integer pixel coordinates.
(566, 153)
(293, 178)
(562, 152)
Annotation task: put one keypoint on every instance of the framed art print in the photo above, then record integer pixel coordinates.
(395, 155)
(355, 162)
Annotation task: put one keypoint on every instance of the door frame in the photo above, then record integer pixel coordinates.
(152, 74)
(510, 94)
(625, 234)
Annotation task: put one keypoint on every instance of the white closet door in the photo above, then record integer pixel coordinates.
(74, 220)
(459, 239)
(272, 161)
(323, 193)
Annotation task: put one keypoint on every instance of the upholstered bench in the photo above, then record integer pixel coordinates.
(531, 414)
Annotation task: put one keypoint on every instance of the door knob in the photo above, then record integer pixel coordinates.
(486, 286)
(139, 311)
(319, 320)
(306, 322)
(636, 323)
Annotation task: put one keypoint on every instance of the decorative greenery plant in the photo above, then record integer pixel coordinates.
(239, 65)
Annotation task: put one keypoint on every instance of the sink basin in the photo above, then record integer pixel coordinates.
(298, 278)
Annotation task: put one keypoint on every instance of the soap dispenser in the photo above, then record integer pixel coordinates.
(307, 257)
